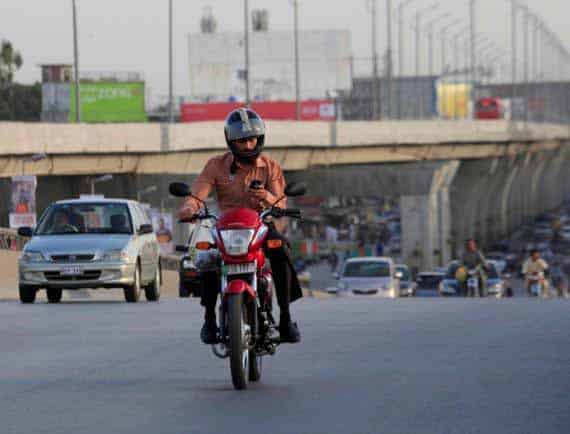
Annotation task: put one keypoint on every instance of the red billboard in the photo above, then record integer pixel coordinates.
(312, 110)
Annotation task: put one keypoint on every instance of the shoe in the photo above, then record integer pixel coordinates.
(209, 333)
(289, 332)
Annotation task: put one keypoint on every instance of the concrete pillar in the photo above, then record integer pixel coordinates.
(426, 228)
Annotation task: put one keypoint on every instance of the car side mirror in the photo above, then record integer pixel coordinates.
(398, 275)
(25, 231)
(336, 275)
(145, 229)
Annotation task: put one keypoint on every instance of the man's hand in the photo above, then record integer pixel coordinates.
(258, 196)
(187, 211)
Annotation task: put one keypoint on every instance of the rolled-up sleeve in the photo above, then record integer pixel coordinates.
(275, 187)
(203, 185)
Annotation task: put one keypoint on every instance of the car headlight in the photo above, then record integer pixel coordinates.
(497, 287)
(187, 263)
(114, 256)
(236, 241)
(32, 256)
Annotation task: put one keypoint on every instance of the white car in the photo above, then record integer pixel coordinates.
(370, 275)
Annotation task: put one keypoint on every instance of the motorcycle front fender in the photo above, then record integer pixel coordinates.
(239, 286)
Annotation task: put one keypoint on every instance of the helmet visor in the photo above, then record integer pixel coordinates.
(244, 130)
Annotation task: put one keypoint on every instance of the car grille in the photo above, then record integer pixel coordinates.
(72, 258)
(87, 275)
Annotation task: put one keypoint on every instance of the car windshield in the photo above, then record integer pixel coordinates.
(405, 273)
(367, 269)
(429, 281)
(82, 218)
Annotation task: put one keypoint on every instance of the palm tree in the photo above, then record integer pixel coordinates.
(10, 61)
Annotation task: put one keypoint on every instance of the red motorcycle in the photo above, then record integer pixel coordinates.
(247, 327)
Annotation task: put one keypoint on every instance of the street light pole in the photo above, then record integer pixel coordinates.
(430, 32)
(443, 35)
(401, 55)
(473, 60)
(389, 67)
(246, 43)
(76, 62)
(419, 15)
(170, 68)
(375, 86)
(297, 67)
(514, 10)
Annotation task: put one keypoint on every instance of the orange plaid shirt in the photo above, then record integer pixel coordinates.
(232, 189)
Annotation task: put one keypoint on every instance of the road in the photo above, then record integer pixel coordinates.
(366, 365)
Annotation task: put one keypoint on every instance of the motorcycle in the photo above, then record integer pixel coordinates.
(247, 329)
(473, 283)
(536, 282)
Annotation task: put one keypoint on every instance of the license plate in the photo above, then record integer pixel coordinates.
(71, 271)
(240, 268)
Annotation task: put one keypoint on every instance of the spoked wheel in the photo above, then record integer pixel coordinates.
(239, 336)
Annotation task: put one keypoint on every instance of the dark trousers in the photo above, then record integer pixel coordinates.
(287, 285)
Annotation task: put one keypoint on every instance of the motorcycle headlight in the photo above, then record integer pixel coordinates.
(114, 256)
(32, 256)
(236, 241)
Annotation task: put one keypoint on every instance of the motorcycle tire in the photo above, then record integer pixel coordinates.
(239, 354)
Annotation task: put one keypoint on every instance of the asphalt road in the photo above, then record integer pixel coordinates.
(366, 365)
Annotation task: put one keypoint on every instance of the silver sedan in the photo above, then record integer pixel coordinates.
(87, 243)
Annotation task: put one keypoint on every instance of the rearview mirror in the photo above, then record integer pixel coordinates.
(25, 231)
(179, 189)
(295, 189)
(145, 229)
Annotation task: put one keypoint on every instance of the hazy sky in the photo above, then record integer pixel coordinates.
(132, 35)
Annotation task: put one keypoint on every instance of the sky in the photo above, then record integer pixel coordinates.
(132, 35)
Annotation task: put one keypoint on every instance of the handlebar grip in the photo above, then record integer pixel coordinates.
(293, 213)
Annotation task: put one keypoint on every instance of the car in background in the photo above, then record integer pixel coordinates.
(91, 243)
(428, 283)
(370, 275)
(497, 284)
(499, 260)
(407, 284)
(449, 286)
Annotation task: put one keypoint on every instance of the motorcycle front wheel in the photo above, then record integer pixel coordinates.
(239, 338)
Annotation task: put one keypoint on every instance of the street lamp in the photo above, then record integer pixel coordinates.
(34, 158)
(76, 62)
(297, 69)
(170, 66)
(443, 35)
(401, 56)
(419, 15)
(146, 191)
(98, 180)
(246, 48)
(430, 40)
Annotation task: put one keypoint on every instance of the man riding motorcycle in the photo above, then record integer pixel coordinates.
(473, 259)
(535, 266)
(242, 178)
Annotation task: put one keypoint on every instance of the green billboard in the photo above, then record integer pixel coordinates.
(109, 102)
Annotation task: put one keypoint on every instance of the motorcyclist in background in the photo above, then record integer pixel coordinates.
(473, 259)
(245, 178)
(533, 265)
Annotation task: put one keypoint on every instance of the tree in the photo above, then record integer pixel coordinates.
(10, 62)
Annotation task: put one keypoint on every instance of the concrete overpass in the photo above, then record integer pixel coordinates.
(455, 179)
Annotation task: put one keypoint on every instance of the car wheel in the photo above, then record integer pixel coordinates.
(133, 292)
(152, 291)
(54, 295)
(27, 294)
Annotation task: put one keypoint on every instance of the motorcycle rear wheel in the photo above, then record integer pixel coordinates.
(238, 341)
